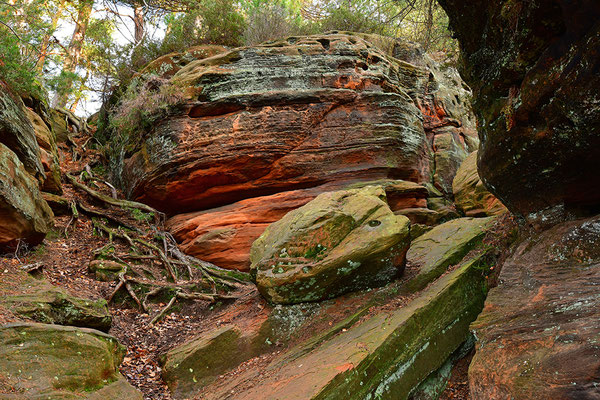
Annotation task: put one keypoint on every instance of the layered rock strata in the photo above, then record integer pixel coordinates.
(265, 129)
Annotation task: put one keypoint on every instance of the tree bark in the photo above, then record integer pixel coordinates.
(46, 40)
(139, 22)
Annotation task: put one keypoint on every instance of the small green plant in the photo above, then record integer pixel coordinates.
(141, 216)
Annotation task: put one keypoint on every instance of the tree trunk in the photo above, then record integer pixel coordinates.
(73, 55)
(46, 40)
(139, 22)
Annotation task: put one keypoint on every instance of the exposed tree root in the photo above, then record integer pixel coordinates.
(151, 266)
(114, 202)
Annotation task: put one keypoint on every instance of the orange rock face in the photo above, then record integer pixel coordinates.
(270, 127)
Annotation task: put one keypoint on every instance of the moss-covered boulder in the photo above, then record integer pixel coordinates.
(24, 215)
(470, 195)
(16, 132)
(383, 356)
(43, 302)
(433, 252)
(42, 361)
(339, 242)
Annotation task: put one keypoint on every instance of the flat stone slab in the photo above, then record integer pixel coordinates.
(445, 245)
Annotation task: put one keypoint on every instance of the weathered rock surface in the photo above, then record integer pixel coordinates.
(383, 356)
(433, 252)
(533, 67)
(168, 65)
(23, 212)
(48, 153)
(225, 235)
(470, 195)
(43, 302)
(50, 361)
(339, 242)
(294, 119)
(16, 132)
(538, 334)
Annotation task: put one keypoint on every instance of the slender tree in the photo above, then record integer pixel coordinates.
(73, 54)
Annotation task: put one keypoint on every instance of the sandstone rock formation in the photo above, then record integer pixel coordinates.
(23, 212)
(40, 301)
(470, 195)
(269, 127)
(339, 242)
(432, 253)
(538, 334)
(168, 65)
(48, 153)
(533, 67)
(42, 361)
(17, 134)
(384, 356)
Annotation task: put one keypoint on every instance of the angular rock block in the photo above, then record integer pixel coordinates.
(43, 302)
(470, 195)
(433, 252)
(339, 242)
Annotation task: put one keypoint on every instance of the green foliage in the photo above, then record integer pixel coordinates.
(141, 216)
(22, 31)
(204, 22)
(270, 20)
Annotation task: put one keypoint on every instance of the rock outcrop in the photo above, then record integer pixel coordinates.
(339, 242)
(445, 245)
(267, 128)
(42, 361)
(17, 134)
(24, 214)
(48, 153)
(385, 355)
(470, 195)
(538, 334)
(533, 67)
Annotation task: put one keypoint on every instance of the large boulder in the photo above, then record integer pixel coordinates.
(538, 334)
(56, 362)
(24, 214)
(288, 120)
(533, 67)
(16, 132)
(225, 235)
(339, 242)
(470, 195)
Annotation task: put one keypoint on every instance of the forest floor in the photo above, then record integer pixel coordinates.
(64, 258)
